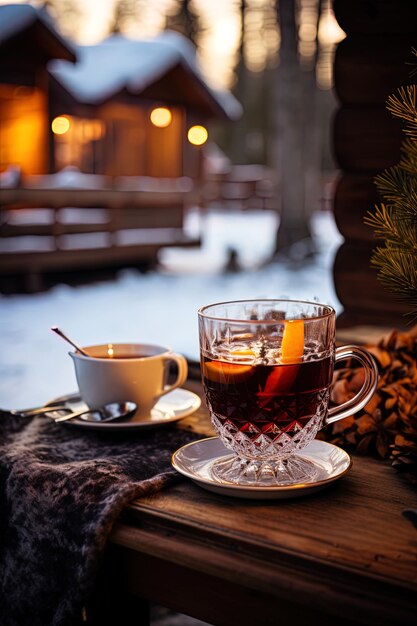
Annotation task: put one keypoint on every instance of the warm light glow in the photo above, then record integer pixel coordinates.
(197, 135)
(261, 35)
(91, 130)
(110, 350)
(21, 91)
(161, 117)
(307, 32)
(60, 125)
(21, 118)
(79, 141)
(330, 32)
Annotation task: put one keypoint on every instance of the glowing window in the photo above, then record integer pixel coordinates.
(161, 117)
(61, 125)
(197, 135)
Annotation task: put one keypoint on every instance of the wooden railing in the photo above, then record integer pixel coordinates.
(124, 223)
(45, 230)
(243, 187)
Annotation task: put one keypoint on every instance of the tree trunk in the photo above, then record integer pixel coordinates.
(294, 225)
(239, 129)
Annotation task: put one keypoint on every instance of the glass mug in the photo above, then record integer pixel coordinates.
(267, 369)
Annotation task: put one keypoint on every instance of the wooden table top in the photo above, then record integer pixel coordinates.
(347, 550)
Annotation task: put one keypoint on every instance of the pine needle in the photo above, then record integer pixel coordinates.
(404, 107)
(408, 160)
(399, 188)
(413, 72)
(398, 273)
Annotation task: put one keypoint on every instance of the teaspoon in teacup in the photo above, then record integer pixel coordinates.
(61, 333)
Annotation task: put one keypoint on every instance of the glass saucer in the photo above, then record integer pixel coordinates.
(195, 460)
(171, 407)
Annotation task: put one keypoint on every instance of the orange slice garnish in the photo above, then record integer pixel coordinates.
(292, 347)
(282, 377)
(247, 352)
(246, 356)
(224, 372)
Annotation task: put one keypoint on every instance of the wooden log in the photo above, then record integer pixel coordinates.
(359, 290)
(366, 140)
(369, 69)
(376, 16)
(370, 64)
(355, 195)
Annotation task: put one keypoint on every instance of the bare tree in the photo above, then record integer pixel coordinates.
(125, 11)
(239, 130)
(66, 13)
(185, 20)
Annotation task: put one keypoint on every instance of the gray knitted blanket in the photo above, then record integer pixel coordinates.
(61, 490)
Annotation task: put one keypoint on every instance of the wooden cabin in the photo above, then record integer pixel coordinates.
(370, 64)
(28, 41)
(124, 108)
(114, 130)
(130, 105)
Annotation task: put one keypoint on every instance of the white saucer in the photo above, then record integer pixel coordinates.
(195, 460)
(172, 407)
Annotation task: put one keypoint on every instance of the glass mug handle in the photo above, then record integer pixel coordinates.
(364, 394)
(182, 371)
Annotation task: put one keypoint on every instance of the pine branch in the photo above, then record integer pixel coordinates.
(404, 107)
(395, 231)
(398, 273)
(399, 189)
(408, 161)
(382, 223)
(395, 220)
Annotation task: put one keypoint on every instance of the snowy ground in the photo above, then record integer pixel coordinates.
(159, 307)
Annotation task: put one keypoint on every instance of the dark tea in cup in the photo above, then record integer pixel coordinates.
(267, 400)
(117, 351)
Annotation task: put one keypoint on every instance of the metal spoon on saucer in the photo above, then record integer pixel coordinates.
(59, 332)
(107, 413)
(39, 411)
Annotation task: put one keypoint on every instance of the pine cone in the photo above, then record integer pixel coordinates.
(404, 456)
(387, 425)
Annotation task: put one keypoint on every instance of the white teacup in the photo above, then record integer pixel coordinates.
(121, 372)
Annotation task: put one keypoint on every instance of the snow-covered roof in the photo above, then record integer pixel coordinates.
(119, 63)
(15, 18)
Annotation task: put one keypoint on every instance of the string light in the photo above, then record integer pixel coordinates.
(197, 135)
(161, 117)
(61, 125)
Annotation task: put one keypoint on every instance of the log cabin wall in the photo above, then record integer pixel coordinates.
(370, 64)
(23, 106)
(24, 127)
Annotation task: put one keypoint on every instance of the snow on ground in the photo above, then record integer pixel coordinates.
(158, 307)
